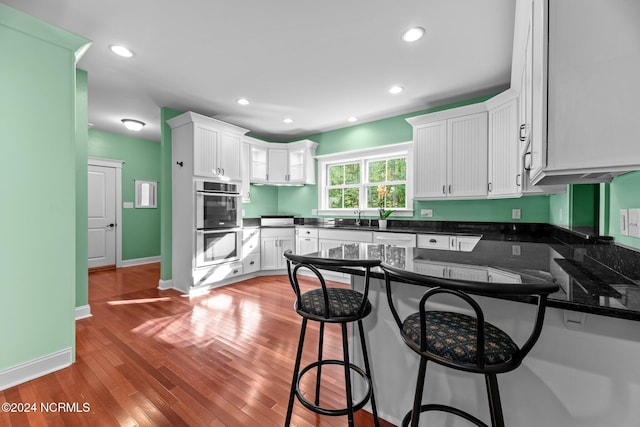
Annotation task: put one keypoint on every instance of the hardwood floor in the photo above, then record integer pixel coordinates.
(158, 358)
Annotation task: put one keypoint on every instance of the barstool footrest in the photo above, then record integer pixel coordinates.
(333, 412)
(444, 408)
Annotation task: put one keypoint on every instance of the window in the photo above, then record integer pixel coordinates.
(366, 180)
(146, 194)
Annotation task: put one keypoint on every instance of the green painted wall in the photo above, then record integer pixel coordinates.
(37, 146)
(301, 200)
(624, 193)
(140, 227)
(82, 223)
(264, 201)
(164, 193)
(559, 209)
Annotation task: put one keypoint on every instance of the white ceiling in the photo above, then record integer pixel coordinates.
(317, 62)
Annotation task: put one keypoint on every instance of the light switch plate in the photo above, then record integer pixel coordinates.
(427, 213)
(624, 222)
(314, 211)
(516, 250)
(634, 222)
(515, 214)
(127, 205)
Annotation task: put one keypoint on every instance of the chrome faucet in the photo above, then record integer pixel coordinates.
(358, 221)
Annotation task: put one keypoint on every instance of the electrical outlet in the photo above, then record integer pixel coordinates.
(127, 205)
(515, 214)
(243, 212)
(428, 213)
(634, 222)
(624, 222)
(516, 250)
(314, 211)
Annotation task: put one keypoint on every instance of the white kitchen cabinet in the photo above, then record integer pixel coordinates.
(278, 171)
(273, 243)
(246, 172)
(584, 89)
(283, 164)
(463, 243)
(434, 241)
(207, 147)
(505, 150)
(251, 250)
(451, 152)
(451, 271)
(258, 163)
(306, 240)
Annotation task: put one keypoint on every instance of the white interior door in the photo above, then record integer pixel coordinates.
(101, 246)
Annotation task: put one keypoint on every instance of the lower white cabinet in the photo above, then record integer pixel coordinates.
(273, 243)
(434, 241)
(395, 239)
(306, 240)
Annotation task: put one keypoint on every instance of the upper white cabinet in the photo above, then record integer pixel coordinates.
(583, 87)
(505, 165)
(207, 147)
(451, 151)
(282, 164)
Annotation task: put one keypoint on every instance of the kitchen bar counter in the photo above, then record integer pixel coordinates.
(585, 285)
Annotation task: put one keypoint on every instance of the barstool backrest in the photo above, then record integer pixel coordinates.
(314, 264)
(538, 292)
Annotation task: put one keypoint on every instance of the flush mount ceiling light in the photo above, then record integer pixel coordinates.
(121, 50)
(394, 90)
(352, 119)
(413, 34)
(242, 101)
(134, 125)
(288, 120)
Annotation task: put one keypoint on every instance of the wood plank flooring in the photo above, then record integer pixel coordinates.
(158, 358)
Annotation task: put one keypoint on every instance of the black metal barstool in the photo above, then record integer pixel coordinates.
(455, 340)
(331, 305)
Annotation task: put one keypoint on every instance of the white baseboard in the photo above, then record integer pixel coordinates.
(83, 312)
(35, 368)
(140, 261)
(163, 285)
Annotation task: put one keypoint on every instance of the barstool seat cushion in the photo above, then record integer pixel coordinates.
(453, 336)
(342, 302)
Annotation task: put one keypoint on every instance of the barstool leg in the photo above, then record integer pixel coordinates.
(347, 373)
(296, 369)
(319, 371)
(417, 401)
(495, 407)
(367, 369)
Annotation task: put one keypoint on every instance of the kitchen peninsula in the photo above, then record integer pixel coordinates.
(578, 368)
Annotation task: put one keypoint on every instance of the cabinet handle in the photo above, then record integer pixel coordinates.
(518, 180)
(489, 187)
(433, 241)
(252, 262)
(444, 189)
(222, 171)
(235, 271)
(308, 232)
(444, 271)
(523, 135)
(307, 240)
(450, 189)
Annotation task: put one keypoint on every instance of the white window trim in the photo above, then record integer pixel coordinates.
(385, 151)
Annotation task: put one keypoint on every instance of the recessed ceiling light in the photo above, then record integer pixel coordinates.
(134, 125)
(352, 119)
(288, 120)
(121, 50)
(413, 34)
(242, 101)
(395, 90)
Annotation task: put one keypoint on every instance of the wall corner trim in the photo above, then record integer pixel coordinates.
(83, 312)
(163, 285)
(35, 368)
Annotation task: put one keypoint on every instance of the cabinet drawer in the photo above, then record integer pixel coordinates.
(307, 232)
(346, 235)
(251, 263)
(396, 239)
(279, 232)
(433, 241)
(250, 241)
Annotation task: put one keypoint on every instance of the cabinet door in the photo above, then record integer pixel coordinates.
(430, 160)
(269, 254)
(467, 155)
(296, 166)
(229, 149)
(205, 145)
(306, 245)
(475, 274)
(538, 101)
(246, 170)
(504, 151)
(284, 244)
(259, 164)
(278, 169)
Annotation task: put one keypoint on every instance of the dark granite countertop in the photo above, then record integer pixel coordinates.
(586, 284)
